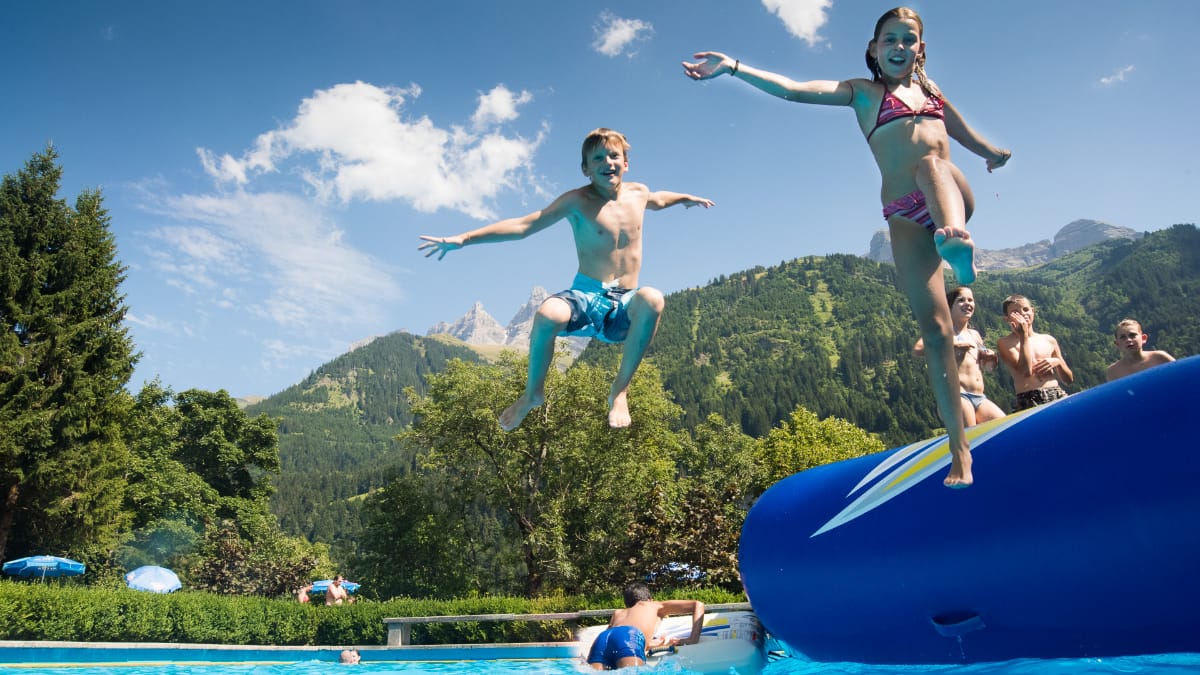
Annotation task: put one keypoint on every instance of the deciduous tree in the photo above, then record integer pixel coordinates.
(570, 489)
(803, 441)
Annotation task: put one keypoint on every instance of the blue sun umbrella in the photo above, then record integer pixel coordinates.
(154, 579)
(43, 566)
(323, 585)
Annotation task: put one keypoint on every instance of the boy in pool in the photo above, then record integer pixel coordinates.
(631, 629)
(1130, 339)
(605, 300)
(1033, 359)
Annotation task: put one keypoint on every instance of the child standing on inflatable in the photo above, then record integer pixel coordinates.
(605, 300)
(1129, 340)
(972, 356)
(1033, 359)
(908, 125)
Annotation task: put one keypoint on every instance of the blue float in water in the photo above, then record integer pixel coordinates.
(1079, 538)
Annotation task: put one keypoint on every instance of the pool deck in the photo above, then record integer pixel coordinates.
(63, 653)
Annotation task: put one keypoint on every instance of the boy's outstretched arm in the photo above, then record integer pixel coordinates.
(958, 129)
(821, 92)
(503, 230)
(664, 199)
(693, 607)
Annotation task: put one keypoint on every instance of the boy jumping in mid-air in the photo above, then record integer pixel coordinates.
(605, 300)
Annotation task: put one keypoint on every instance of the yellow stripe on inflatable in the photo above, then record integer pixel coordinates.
(921, 465)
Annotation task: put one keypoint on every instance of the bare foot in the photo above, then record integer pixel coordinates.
(514, 414)
(959, 252)
(618, 412)
(960, 473)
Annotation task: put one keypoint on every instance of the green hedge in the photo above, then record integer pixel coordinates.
(50, 611)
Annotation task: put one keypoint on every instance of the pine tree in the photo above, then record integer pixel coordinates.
(64, 360)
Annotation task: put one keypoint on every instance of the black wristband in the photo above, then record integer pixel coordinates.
(736, 64)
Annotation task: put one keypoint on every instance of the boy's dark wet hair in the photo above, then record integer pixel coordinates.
(636, 592)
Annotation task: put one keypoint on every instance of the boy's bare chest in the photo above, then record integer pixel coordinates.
(612, 225)
(1042, 346)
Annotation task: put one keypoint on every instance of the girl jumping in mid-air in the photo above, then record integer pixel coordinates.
(908, 124)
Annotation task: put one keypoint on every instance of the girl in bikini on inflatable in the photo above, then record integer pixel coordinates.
(908, 125)
(973, 358)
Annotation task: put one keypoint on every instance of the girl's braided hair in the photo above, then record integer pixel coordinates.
(919, 70)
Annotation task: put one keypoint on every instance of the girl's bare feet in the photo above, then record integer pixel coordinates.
(959, 252)
(960, 472)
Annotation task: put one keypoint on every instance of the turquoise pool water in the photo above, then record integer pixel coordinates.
(1164, 664)
(536, 667)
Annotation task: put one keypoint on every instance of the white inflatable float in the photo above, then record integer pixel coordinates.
(729, 640)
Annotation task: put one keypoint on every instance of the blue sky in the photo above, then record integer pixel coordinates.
(269, 165)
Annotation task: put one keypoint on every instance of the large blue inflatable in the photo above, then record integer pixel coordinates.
(1080, 537)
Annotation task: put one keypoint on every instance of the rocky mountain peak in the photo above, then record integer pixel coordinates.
(476, 327)
(1082, 233)
(518, 329)
(1073, 236)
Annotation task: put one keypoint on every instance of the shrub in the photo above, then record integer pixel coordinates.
(37, 611)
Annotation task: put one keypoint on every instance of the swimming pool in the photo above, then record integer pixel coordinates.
(539, 659)
(544, 667)
(1159, 664)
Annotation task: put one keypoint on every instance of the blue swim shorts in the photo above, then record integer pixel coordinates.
(617, 643)
(598, 309)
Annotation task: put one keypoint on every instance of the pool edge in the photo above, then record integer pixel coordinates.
(33, 652)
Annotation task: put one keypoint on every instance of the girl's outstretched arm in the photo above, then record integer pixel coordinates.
(820, 92)
(959, 130)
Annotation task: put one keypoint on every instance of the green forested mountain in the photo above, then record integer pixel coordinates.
(336, 432)
(835, 335)
(831, 334)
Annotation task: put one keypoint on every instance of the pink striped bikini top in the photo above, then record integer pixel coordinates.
(891, 108)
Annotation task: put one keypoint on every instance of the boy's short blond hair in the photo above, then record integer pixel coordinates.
(603, 137)
(1129, 323)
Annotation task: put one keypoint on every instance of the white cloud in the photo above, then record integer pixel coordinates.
(802, 18)
(265, 255)
(615, 35)
(499, 105)
(274, 256)
(149, 322)
(278, 352)
(366, 148)
(1117, 77)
